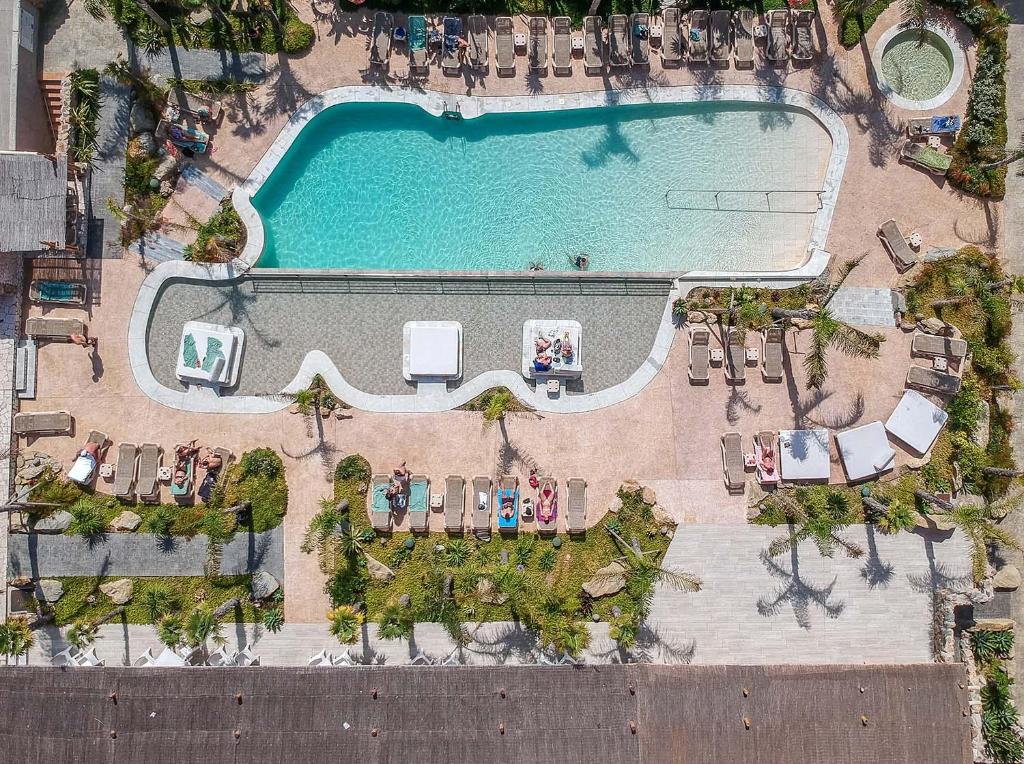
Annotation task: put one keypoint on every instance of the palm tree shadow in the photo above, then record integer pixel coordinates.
(876, 572)
(652, 647)
(840, 420)
(239, 304)
(323, 449)
(739, 399)
(796, 592)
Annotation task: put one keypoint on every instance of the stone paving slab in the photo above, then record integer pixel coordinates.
(196, 177)
(156, 248)
(802, 607)
(863, 306)
(204, 64)
(140, 554)
(107, 173)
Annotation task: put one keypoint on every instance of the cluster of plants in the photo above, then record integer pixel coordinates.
(259, 479)
(84, 114)
(456, 580)
(210, 87)
(857, 18)
(999, 718)
(219, 239)
(496, 404)
(317, 399)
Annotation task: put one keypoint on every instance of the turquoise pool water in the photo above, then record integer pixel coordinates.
(652, 188)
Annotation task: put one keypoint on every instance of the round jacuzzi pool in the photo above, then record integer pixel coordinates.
(918, 68)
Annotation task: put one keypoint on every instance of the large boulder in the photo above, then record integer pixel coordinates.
(166, 168)
(934, 522)
(126, 522)
(58, 522)
(934, 326)
(147, 143)
(616, 505)
(648, 496)
(141, 119)
(49, 590)
(378, 571)
(120, 591)
(994, 624)
(608, 580)
(263, 585)
(488, 592)
(1007, 577)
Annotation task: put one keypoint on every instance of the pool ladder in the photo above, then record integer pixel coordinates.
(450, 108)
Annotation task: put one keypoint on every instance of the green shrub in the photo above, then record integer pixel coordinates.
(856, 26)
(261, 462)
(991, 644)
(159, 521)
(965, 407)
(298, 36)
(219, 239)
(258, 479)
(87, 519)
(999, 717)
(352, 467)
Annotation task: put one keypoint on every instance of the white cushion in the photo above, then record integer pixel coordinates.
(865, 451)
(916, 421)
(433, 351)
(805, 455)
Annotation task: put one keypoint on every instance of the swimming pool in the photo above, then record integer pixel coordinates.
(652, 187)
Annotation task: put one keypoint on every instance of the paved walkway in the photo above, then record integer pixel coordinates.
(802, 607)
(73, 39)
(204, 64)
(157, 248)
(107, 175)
(863, 306)
(141, 554)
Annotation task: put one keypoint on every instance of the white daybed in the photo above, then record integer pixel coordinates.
(916, 421)
(804, 455)
(865, 451)
(431, 350)
(218, 352)
(552, 330)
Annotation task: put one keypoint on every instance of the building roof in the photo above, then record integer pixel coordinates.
(33, 201)
(616, 713)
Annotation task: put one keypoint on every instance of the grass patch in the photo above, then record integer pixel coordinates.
(186, 592)
(258, 478)
(219, 239)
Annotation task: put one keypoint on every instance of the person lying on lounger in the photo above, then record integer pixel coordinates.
(542, 362)
(508, 507)
(541, 344)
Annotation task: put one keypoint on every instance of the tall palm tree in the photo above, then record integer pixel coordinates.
(170, 630)
(499, 405)
(81, 634)
(396, 622)
(98, 10)
(642, 572)
(344, 622)
(201, 626)
(819, 525)
(16, 638)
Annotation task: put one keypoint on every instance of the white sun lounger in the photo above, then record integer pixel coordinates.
(743, 32)
(697, 37)
(618, 41)
(772, 352)
(593, 44)
(778, 36)
(700, 352)
(504, 44)
(450, 53)
(124, 470)
(732, 462)
(640, 38)
(720, 45)
(895, 244)
(672, 47)
(539, 43)
(418, 52)
(478, 41)
(150, 455)
(576, 510)
(454, 503)
(735, 358)
(481, 498)
(562, 49)
(380, 42)
(803, 46)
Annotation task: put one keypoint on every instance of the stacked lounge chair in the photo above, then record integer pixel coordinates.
(539, 43)
(418, 44)
(896, 245)
(67, 292)
(933, 381)
(450, 51)
(926, 158)
(720, 44)
(147, 483)
(380, 42)
(550, 525)
(593, 44)
(454, 503)
(481, 502)
(562, 48)
(697, 39)
(124, 470)
(778, 34)
(640, 34)
(672, 47)
(478, 44)
(933, 345)
(380, 505)
(52, 328)
(576, 511)
(735, 358)
(803, 46)
(743, 32)
(419, 503)
(43, 422)
(772, 353)
(941, 125)
(504, 44)
(700, 339)
(732, 462)
(618, 41)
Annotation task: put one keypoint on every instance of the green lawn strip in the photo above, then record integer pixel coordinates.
(187, 592)
(258, 478)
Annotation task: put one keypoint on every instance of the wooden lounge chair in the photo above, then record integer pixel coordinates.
(933, 345)
(59, 292)
(481, 503)
(743, 33)
(618, 41)
(504, 44)
(380, 505)
(721, 47)
(419, 503)
(896, 245)
(593, 44)
(539, 43)
(927, 158)
(576, 506)
(454, 503)
(124, 470)
(933, 381)
(772, 353)
(380, 41)
(700, 352)
(803, 46)
(697, 38)
(777, 49)
(561, 26)
(50, 328)
(942, 125)
(418, 44)
(147, 482)
(732, 462)
(450, 52)
(478, 42)
(43, 423)
(735, 358)
(551, 525)
(640, 38)
(672, 47)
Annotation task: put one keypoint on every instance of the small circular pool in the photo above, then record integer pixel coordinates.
(917, 68)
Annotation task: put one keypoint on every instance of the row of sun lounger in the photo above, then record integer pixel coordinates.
(735, 360)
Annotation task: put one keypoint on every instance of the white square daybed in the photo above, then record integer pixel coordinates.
(552, 330)
(916, 421)
(865, 451)
(805, 455)
(431, 350)
(217, 349)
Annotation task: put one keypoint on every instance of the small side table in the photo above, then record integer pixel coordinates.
(940, 364)
(655, 32)
(934, 142)
(106, 471)
(753, 354)
(761, 30)
(164, 474)
(519, 40)
(553, 386)
(436, 501)
(915, 240)
(577, 44)
(717, 355)
(749, 461)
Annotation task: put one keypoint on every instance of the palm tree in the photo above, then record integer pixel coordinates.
(820, 525)
(396, 622)
(344, 623)
(570, 636)
(202, 625)
(16, 638)
(170, 630)
(1009, 157)
(81, 634)
(98, 10)
(156, 601)
(499, 404)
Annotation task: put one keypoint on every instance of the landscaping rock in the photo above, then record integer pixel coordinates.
(488, 593)
(801, 323)
(21, 582)
(200, 16)
(696, 317)
(147, 142)
(1005, 402)
(120, 591)
(141, 119)
(166, 168)
(263, 585)
(934, 326)
(28, 474)
(615, 506)
(981, 431)
(994, 624)
(378, 570)
(607, 580)
(126, 522)
(49, 590)
(616, 611)
(648, 496)
(58, 522)
(630, 486)
(933, 523)
(661, 516)
(1007, 577)
(405, 601)
(166, 188)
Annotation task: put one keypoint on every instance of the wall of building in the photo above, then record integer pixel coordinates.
(33, 126)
